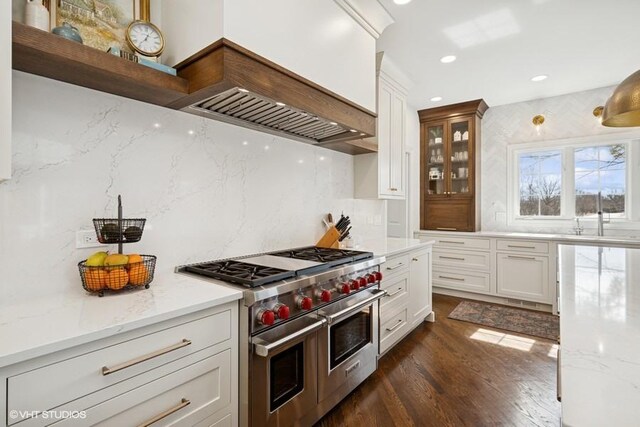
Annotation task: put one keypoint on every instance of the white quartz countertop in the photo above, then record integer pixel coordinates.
(600, 335)
(392, 245)
(46, 325)
(631, 241)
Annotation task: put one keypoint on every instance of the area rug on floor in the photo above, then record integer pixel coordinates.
(511, 319)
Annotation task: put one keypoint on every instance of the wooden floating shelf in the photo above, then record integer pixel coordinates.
(47, 55)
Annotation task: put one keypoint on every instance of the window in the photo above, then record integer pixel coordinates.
(561, 180)
(600, 170)
(540, 183)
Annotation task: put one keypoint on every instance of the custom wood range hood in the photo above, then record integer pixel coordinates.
(223, 81)
(232, 84)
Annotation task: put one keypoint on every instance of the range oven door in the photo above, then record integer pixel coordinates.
(348, 346)
(283, 377)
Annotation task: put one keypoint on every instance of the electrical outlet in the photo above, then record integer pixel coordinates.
(87, 239)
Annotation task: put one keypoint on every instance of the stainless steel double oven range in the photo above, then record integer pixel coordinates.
(308, 329)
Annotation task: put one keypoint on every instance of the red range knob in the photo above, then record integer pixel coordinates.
(282, 311)
(325, 295)
(305, 303)
(355, 284)
(362, 281)
(266, 317)
(371, 278)
(378, 275)
(344, 288)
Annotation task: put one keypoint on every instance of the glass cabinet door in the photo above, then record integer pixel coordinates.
(436, 155)
(459, 156)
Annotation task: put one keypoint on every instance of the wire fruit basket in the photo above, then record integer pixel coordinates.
(117, 277)
(118, 230)
(103, 272)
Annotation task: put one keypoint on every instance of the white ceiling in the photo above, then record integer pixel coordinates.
(501, 44)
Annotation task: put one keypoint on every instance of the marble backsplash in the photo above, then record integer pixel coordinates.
(208, 189)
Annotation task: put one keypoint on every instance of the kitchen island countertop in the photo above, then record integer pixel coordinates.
(599, 332)
(52, 323)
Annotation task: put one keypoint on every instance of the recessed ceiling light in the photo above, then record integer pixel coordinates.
(245, 143)
(436, 99)
(539, 78)
(266, 147)
(191, 132)
(401, 1)
(448, 59)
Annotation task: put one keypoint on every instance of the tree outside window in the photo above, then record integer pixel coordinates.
(540, 183)
(600, 169)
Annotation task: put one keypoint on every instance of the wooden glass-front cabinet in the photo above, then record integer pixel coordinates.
(450, 166)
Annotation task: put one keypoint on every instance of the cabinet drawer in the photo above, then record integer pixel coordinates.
(50, 386)
(397, 287)
(465, 281)
(393, 329)
(396, 264)
(185, 397)
(524, 277)
(523, 246)
(461, 243)
(462, 259)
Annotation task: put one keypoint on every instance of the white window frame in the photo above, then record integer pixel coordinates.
(567, 211)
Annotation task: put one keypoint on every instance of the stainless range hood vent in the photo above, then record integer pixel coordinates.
(243, 108)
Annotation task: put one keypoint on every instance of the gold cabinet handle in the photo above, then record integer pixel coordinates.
(396, 326)
(450, 257)
(520, 257)
(452, 278)
(450, 241)
(125, 365)
(397, 266)
(393, 189)
(414, 259)
(446, 229)
(184, 403)
(394, 293)
(521, 247)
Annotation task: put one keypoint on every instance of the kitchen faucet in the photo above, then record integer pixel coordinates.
(601, 220)
(578, 228)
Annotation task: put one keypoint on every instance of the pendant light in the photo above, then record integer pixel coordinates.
(623, 108)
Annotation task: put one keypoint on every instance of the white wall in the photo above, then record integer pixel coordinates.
(567, 116)
(205, 196)
(5, 90)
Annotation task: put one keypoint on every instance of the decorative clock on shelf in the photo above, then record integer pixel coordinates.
(145, 39)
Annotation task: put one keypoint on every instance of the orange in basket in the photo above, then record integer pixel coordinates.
(138, 275)
(117, 278)
(95, 279)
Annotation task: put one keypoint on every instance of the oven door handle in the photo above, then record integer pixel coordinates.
(335, 317)
(262, 347)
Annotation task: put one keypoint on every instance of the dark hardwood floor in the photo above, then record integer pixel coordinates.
(453, 373)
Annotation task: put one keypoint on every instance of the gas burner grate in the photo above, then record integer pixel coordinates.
(332, 257)
(243, 273)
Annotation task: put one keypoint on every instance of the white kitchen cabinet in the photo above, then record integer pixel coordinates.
(185, 369)
(407, 280)
(5, 90)
(523, 276)
(420, 305)
(382, 175)
(500, 268)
